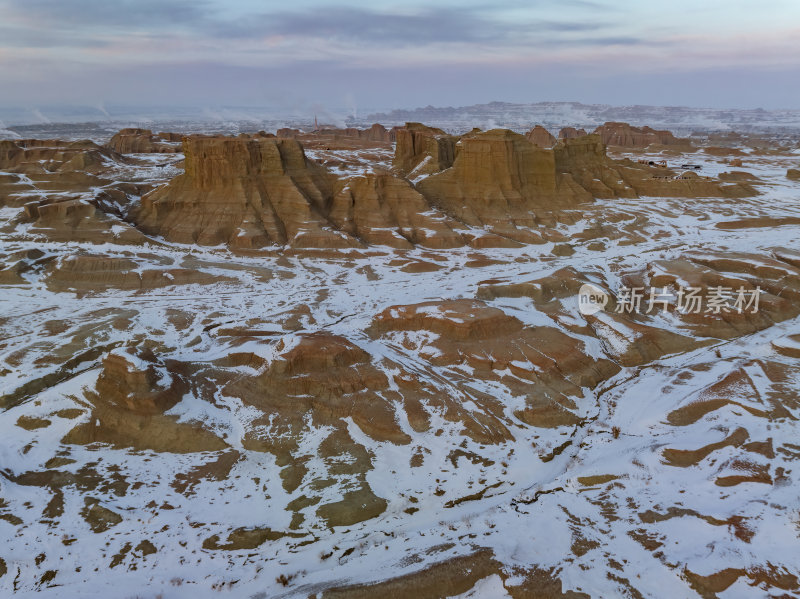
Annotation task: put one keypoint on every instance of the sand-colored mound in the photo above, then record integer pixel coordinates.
(245, 193)
(549, 367)
(326, 377)
(96, 273)
(539, 136)
(625, 135)
(143, 141)
(384, 209)
(570, 133)
(498, 177)
(423, 150)
(131, 396)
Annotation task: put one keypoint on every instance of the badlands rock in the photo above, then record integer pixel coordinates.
(628, 136)
(41, 159)
(66, 219)
(287, 132)
(539, 136)
(547, 367)
(423, 150)
(97, 273)
(245, 193)
(129, 401)
(570, 133)
(376, 133)
(384, 209)
(142, 141)
(498, 177)
(584, 160)
(324, 377)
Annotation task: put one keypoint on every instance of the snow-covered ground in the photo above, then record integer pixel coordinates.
(598, 502)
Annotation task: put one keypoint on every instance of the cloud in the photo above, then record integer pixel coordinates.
(125, 14)
(82, 23)
(383, 28)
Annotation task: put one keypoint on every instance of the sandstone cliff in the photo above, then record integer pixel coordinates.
(570, 132)
(539, 136)
(628, 136)
(246, 193)
(499, 178)
(384, 209)
(143, 141)
(423, 150)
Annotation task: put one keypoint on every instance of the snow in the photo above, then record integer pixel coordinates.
(519, 530)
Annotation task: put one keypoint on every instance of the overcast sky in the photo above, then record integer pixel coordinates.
(379, 54)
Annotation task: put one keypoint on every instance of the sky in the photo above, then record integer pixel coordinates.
(384, 54)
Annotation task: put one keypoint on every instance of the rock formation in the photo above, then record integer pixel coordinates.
(143, 141)
(246, 193)
(492, 342)
(423, 150)
(384, 209)
(97, 273)
(793, 174)
(130, 398)
(375, 133)
(499, 178)
(539, 136)
(43, 158)
(570, 132)
(628, 136)
(287, 132)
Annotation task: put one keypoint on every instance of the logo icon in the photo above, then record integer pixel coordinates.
(591, 299)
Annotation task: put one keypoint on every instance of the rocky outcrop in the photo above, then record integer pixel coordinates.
(550, 367)
(138, 385)
(628, 136)
(384, 209)
(570, 133)
(375, 133)
(423, 150)
(539, 136)
(143, 141)
(245, 193)
(793, 174)
(133, 392)
(44, 157)
(96, 273)
(584, 160)
(287, 132)
(500, 178)
(324, 376)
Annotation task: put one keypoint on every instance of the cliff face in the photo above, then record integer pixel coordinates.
(539, 136)
(571, 132)
(384, 209)
(584, 160)
(423, 150)
(628, 136)
(246, 193)
(41, 157)
(143, 141)
(375, 133)
(499, 177)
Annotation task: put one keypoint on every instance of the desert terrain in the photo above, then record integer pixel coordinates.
(350, 362)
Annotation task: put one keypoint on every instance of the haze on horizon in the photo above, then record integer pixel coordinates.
(383, 55)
